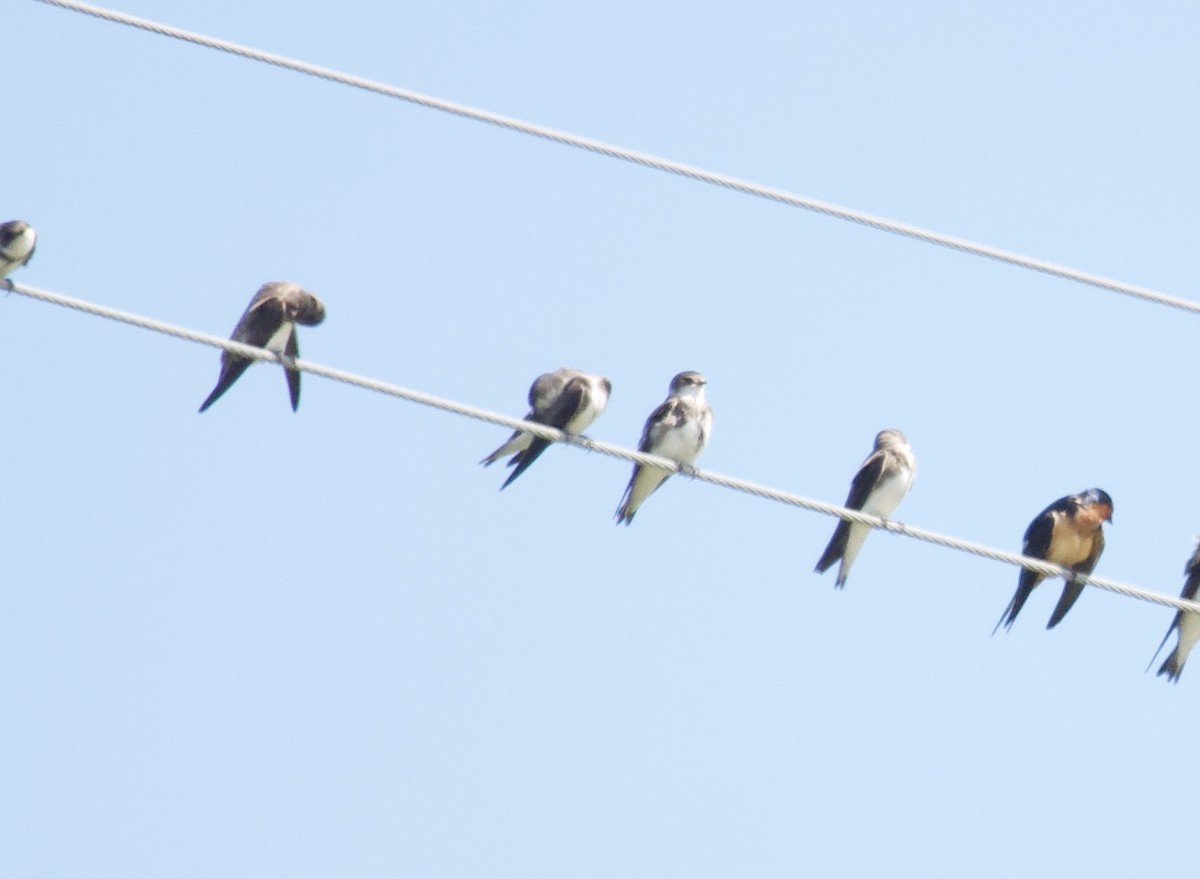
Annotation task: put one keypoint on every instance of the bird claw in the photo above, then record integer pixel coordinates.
(688, 470)
(891, 525)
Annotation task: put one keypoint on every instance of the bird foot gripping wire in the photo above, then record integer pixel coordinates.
(580, 440)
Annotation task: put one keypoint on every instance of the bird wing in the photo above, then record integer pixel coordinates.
(261, 320)
(863, 484)
(557, 414)
(1040, 532)
(865, 480)
(667, 416)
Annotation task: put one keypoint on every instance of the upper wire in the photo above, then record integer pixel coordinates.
(645, 159)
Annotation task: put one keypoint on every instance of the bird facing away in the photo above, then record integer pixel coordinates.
(678, 429)
(1069, 533)
(878, 487)
(270, 322)
(1188, 624)
(567, 399)
(18, 240)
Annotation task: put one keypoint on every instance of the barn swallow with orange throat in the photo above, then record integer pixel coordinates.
(270, 322)
(880, 484)
(1187, 623)
(567, 399)
(1069, 533)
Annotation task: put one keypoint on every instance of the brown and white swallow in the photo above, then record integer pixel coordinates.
(678, 429)
(880, 484)
(270, 322)
(1186, 623)
(567, 399)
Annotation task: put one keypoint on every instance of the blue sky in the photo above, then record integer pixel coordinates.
(262, 643)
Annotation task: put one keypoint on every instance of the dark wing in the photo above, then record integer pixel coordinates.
(541, 392)
(1040, 533)
(292, 349)
(1192, 570)
(261, 320)
(560, 412)
(232, 368)
(1036, 545)
(566, 404)
(256, 327)
(1041, 529)
(836, 548)
(667, 416)
(1025, 587)
(1167, 664)
(864, 483)
(1074, 588)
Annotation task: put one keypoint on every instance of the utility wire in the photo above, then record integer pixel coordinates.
(553, 434)
(639, 158)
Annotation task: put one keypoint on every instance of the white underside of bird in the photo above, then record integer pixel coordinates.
(882, 502)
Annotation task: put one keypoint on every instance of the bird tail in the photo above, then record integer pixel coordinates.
(1173, 666)
(644, 482)
(626, 510)
(1161, 645)
(291, 352)
(231, 370)
(293, 383)
(1024, 589)
(526, 457)
(858, 535)
(1071, 593)
(836, 547)
(212, 398)
(511, 446)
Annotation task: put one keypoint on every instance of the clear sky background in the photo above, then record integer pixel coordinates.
(259, 643)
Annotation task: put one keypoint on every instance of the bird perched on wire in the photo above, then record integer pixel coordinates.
(1069, 533)
(18, 240)
(880, 484)
(567, 399)
(270, 322)
(678, 429)
(1185, 622)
